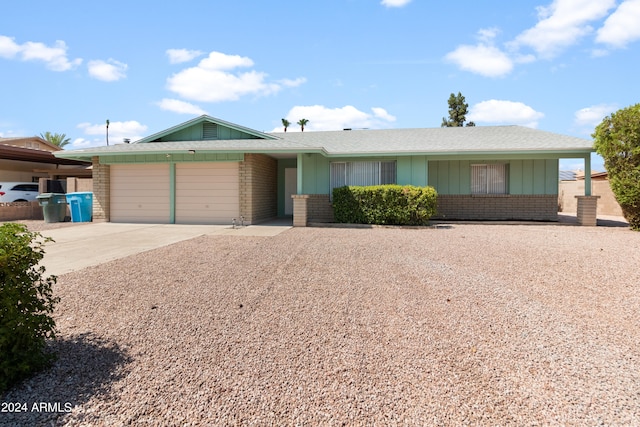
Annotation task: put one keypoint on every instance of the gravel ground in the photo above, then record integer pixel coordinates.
(470, 324)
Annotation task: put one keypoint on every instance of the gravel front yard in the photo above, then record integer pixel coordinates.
(473, 324)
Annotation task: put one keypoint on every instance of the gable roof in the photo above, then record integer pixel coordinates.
(204, 119)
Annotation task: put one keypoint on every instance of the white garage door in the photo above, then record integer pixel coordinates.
(207, 193)
(140, 193)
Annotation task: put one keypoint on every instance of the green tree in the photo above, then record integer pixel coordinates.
(26, 304)
(286, 123)
(302, 123)
(617, 140)
(59, 139)
(457, 112)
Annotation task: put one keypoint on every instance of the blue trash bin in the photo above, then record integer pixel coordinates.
(80, 206)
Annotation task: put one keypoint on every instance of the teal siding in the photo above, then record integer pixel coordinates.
(515, 177)
(404, 170)
(315, 174)
(411, 170)
(195, 133)
(526, 176)
(552, 174)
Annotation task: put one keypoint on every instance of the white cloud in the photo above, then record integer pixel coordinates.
(592, 116)
(54, 57)
(324, 118)
(177, 56)
(562, 24)
(222, 61)
(482, 59)
(8, 47)
(502, 112)
(292, 83)
(214, 80)
(108, 71)
(117, 132)
(621, 27)
(180, 107)
(395, 3)
(381, 113)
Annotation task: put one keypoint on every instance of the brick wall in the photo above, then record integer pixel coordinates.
(319, 208)
(20, 210)
(101, 191)
(311, 208)
(79, 184)
(258, 188)
(607, 204)
(498, 207)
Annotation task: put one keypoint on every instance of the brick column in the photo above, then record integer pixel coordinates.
(300, 209)
(587, 210)
(101, 191)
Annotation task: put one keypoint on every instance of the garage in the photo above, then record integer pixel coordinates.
(140, 193)
(207, 193)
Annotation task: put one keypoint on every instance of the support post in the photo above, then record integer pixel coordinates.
(587, 175)
(299, 172)
(300, 209)
(587, 210)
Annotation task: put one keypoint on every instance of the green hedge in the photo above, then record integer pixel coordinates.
(384, 204)
(26, 304)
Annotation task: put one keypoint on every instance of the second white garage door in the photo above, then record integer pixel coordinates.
(207, 193)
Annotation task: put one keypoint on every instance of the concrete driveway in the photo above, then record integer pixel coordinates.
(85, 245)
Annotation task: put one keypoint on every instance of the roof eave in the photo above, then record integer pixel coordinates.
(579, 152)
(91, 154)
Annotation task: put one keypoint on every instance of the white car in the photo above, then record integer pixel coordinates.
(18, 191)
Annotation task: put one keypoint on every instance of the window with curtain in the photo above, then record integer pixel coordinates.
(362, 173)
(489, 179)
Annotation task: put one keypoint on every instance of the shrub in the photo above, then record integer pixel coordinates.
(26, 302)
(617, 140)
(384, 204)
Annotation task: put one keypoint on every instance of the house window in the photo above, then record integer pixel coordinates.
(362, 173)
(489, 178)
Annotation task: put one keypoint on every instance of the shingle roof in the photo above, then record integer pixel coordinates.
(440, 140)
(433, 141)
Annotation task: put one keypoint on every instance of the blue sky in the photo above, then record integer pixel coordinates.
(556, 65)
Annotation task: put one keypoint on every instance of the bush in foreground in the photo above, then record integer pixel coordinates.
(384, 204)
(26, 303)
(617, 140)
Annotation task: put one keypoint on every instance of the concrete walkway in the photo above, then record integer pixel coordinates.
(75, 248)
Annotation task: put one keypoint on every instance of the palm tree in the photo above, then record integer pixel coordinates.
(286, 123)
(59, 139)
(302, 123)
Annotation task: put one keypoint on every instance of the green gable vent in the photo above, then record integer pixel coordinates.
(209, 131)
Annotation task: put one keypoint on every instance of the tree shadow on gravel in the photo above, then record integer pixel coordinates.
(86, 366)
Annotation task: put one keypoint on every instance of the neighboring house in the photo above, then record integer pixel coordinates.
(29, 158)
(33, 142)
(207, 170)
